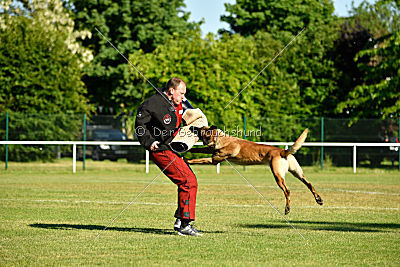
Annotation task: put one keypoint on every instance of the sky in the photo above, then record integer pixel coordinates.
(211, 10)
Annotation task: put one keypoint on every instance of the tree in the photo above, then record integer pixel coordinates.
(353, 37)
(215, 71)
(40, 75)
(305, 64)
(130, 25)
(377, 95)
(40, 59)
(248, 16)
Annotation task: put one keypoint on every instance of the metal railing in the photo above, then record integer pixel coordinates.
(147, 156)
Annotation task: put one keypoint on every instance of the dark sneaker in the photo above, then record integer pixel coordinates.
(177, 224)
(189, 230)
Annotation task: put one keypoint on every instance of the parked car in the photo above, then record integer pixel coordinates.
(111, 152)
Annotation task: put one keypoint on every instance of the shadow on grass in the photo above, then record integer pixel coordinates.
(331, 226)
(62, 226)
(57, 226)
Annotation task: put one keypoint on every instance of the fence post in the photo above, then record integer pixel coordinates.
(244, 134)
(322, 140)
(354, 159)
(84, 139)
(74, 158)
(6, 159)
(147, 161)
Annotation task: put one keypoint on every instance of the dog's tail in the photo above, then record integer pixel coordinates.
(296, 146)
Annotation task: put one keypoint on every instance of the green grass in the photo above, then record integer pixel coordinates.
(50, 216)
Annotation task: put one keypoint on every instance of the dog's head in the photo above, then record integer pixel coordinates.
(207, 134)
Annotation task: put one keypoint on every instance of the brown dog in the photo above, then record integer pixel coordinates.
(244, 152)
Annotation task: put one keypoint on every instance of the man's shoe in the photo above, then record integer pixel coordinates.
(194, 229)
(189, 230)
(177, 224)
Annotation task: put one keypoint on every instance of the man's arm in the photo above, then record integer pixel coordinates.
(143, 133)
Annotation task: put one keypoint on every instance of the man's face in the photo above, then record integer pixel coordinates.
(178, 94)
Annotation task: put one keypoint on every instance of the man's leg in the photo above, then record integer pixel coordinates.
(180, 174)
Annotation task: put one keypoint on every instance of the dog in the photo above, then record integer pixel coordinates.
(244, 152)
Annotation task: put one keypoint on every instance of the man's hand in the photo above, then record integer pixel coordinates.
(154, 146)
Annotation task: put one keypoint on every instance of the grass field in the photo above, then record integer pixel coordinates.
(50, 216)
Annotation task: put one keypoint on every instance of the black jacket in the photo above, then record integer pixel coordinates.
(156, 121)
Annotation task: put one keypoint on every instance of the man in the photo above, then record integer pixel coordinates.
(157, 122)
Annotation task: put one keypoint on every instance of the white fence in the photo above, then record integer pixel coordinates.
(286, 144)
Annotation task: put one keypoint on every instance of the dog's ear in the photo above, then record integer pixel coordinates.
(213, 127)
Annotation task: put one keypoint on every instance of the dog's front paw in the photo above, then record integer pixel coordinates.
(188, 161)
(319, 200)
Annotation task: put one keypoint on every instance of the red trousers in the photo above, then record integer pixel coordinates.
(181, 175)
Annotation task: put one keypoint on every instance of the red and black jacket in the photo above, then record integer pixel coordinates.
(158, 119)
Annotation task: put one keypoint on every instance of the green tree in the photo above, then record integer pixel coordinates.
(40, 60)
(305, 66)
(40, 75)
(130, 25)
(378, 93)
(215, 71)
(353, 37)
(248, 16)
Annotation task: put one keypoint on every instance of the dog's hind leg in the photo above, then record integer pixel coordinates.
(279, 168)
(295, 169)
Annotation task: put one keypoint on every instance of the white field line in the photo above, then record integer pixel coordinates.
(300, 188)
(174, 204)
(361, 192)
